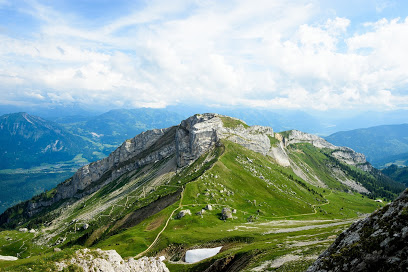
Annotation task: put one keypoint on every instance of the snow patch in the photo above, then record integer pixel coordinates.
(8, 258)
(196, 255)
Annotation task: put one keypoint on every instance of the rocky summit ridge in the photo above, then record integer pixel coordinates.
(186, 142)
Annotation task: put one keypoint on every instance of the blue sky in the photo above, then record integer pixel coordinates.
(274, 54)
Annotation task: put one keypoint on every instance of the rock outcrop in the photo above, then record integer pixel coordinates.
(111, 261)
(376, 243)
(183, 213)
(226, 213)
(344, 154)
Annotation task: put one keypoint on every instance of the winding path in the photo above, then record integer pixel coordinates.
(313, 206)
(165, 226)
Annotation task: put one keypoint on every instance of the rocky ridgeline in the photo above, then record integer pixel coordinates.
(111, 261)
(345, 154)
(376, 243)
(188, 141)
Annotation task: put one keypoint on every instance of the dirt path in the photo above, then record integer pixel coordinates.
(168, 220)
(313, 206)
(321, 226)
(288, 230)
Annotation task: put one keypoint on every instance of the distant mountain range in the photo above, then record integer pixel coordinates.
(382, 145)
(115, 126)
(28, 140)
(322, 123)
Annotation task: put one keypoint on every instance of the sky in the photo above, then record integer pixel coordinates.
(273, 54)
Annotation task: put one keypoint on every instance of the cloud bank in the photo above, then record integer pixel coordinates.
(269, 54)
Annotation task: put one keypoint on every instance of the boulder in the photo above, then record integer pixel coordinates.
(226, 213)
(183, 213)
(208, 207)
(200, 212)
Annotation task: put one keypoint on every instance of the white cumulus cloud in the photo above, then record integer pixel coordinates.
(272, 54)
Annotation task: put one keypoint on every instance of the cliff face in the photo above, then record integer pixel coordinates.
(376, 243)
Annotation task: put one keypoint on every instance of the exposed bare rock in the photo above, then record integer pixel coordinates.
(226, 213)
(280, 155)
(296, 136)
(195, 136)
(349, 156)
(111, 261)
(183, 213)
(376, 243)
(344, 154)
(200, 132)
(208, 207)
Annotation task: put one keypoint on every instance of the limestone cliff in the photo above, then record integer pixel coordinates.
(376, 243)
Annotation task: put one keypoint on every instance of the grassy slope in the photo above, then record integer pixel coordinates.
(233, 174)
(261, 192)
